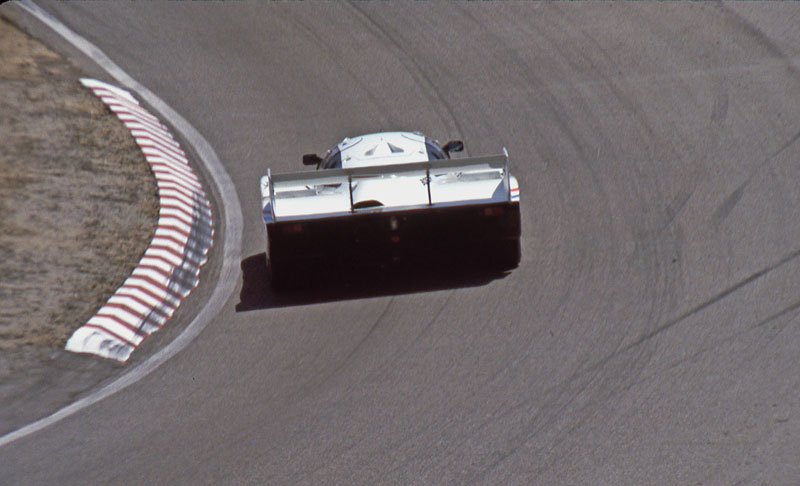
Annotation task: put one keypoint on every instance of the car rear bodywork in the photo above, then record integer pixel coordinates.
(369, 214)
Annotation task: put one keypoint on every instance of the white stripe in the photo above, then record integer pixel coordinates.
(164, 169)
(127, 118)
(158, 131)
(109, 91)
(163, 232)
(157, 262)
(117, 104)
(165, 178)
(167, 182)
(121, 109)
(156, 317)
(117, 328)
(152, 144)
(157, 152)
(178, 248)
(98, 342)
(143, 296)
(154, 276)
(195, 203)
(172, 257)
(167, 296)
(176, 167)
(144, 139)
(178, 223)
(180, 214)
(124, 315)
(94, 84)
(163, 174)
(145, 131)
(172, 194)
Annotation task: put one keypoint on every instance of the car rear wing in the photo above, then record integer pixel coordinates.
(335, 192)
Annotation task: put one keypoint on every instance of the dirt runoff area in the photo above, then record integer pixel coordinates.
(78, 207)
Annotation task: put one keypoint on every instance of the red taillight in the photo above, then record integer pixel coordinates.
(494, 211)
(293, 228)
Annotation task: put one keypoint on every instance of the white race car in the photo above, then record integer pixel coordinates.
(386, 197)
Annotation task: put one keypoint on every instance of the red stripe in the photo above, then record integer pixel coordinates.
(111, 333)
(177, 181)
(179, 155)
(136, 119)
(161, 136)
(178, 214)
(178, 199)
(182, 189)
(184, 171)
(162, 271)
(140, 301)
(124, 307)
(156, 132)
(159, 257)
(154, 150)
(147, 291)
(134, 329)
(173, 228)
(191, 185)
(165, 248)
(188, 202)
(138, 114)
(155, 269)
(192, 259)
(173, 239)
(161, 286)
(187, 193)
(130, 108)
(160, 169)
(129, 310)
(149, 254)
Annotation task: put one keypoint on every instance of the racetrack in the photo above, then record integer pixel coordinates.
(650, 335)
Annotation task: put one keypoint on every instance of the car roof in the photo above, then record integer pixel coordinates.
(382, 149)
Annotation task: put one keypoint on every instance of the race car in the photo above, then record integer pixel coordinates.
(388, 197)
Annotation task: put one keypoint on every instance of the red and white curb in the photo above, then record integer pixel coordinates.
(170, 267)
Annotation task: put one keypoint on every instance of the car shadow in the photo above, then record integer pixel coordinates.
(335, 284)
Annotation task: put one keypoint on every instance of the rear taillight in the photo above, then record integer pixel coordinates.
(494, 211)
(293, 228)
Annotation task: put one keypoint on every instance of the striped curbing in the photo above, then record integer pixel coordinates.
(170, 267)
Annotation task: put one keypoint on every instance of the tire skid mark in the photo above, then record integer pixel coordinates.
(170, 267)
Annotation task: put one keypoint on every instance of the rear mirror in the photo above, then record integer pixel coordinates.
(311, 159)
(453, 146)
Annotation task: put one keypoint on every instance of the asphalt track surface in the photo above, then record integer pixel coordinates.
(651, 334)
